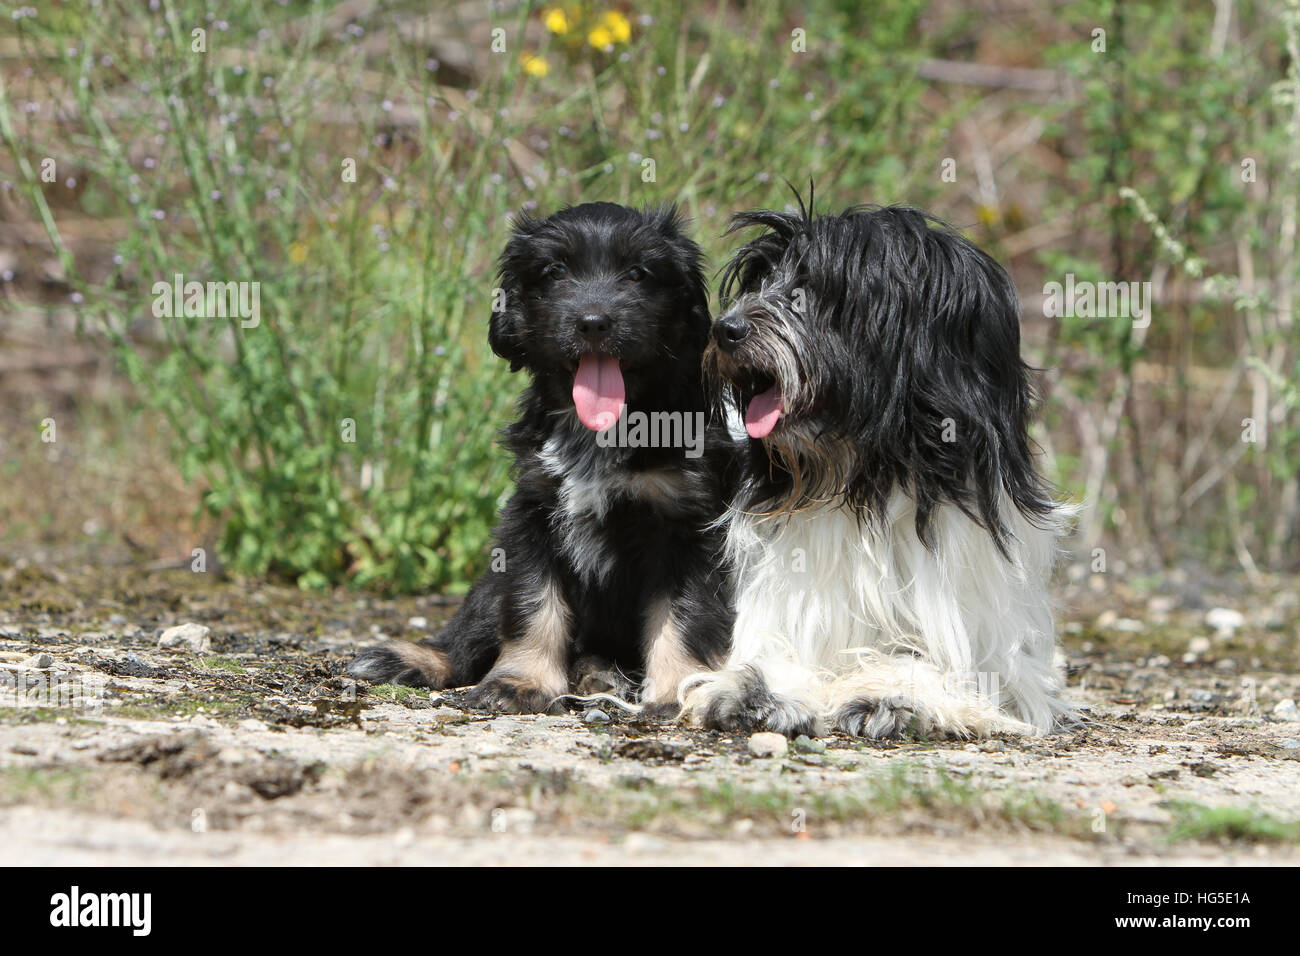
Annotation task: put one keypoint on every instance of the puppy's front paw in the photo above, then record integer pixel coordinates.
(512, 695)
(887, 718)
(739, 701)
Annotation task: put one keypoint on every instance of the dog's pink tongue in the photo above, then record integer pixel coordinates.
(598, 391)
(763, 411)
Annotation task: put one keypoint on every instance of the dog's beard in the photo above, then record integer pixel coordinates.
(774, 380)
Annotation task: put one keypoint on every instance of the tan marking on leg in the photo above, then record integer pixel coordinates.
(433, 664)
(538, 656)
(667, 659)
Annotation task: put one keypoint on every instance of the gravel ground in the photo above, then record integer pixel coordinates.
(256, 749)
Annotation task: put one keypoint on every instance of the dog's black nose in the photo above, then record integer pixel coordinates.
(730, 330)
(593, 325)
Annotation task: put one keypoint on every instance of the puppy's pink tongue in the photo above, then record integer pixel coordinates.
(763, 411)
(598, 391)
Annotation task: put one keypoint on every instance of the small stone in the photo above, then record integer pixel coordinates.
(1286, 710)
(768, 745)
(39, 661)
(1162, 604)
(188, 636)
(1199, 645)
(1128, 625)
(419, 623)
(1224, 620)
(253, 724)
(595, 716)
(1289, 744)
(806, 745)
(116, 620)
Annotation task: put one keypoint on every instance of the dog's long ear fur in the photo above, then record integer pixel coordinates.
(505, 330)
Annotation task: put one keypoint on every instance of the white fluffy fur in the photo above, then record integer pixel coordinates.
(832, 610)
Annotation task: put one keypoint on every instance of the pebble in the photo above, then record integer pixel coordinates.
(1224, 619)
(1162, 604)
(1199, 645)
(768, 744)
(1289, 744)
(806, 745)
(188, 636)
(595, 716)
(39, 661)
(1286, 710)
(419, 623)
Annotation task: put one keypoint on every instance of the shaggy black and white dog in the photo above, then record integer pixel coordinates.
(608, 546)
(891, 538)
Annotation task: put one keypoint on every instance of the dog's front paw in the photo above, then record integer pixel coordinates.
(661, 709)
(887, 718)
(512, 695)
(739, 701)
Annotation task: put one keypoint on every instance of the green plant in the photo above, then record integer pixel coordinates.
(347, 434)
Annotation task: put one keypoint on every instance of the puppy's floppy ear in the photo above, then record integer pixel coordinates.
(506, 328)
(690, 263)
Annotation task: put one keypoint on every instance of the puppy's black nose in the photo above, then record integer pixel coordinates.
(730, 330)
(594, 326)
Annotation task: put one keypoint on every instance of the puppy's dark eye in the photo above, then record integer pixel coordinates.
(555, 270)
(637, 274)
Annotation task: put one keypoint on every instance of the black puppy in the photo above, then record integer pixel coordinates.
(607, 544)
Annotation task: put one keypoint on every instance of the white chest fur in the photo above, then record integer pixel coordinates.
(814, 589)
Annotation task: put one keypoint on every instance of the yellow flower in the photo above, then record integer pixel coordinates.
(297, 253)
(536, 66)
(556, 21)
(600, 38)
(617, 25)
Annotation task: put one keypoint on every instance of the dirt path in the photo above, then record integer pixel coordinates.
(259, 750)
